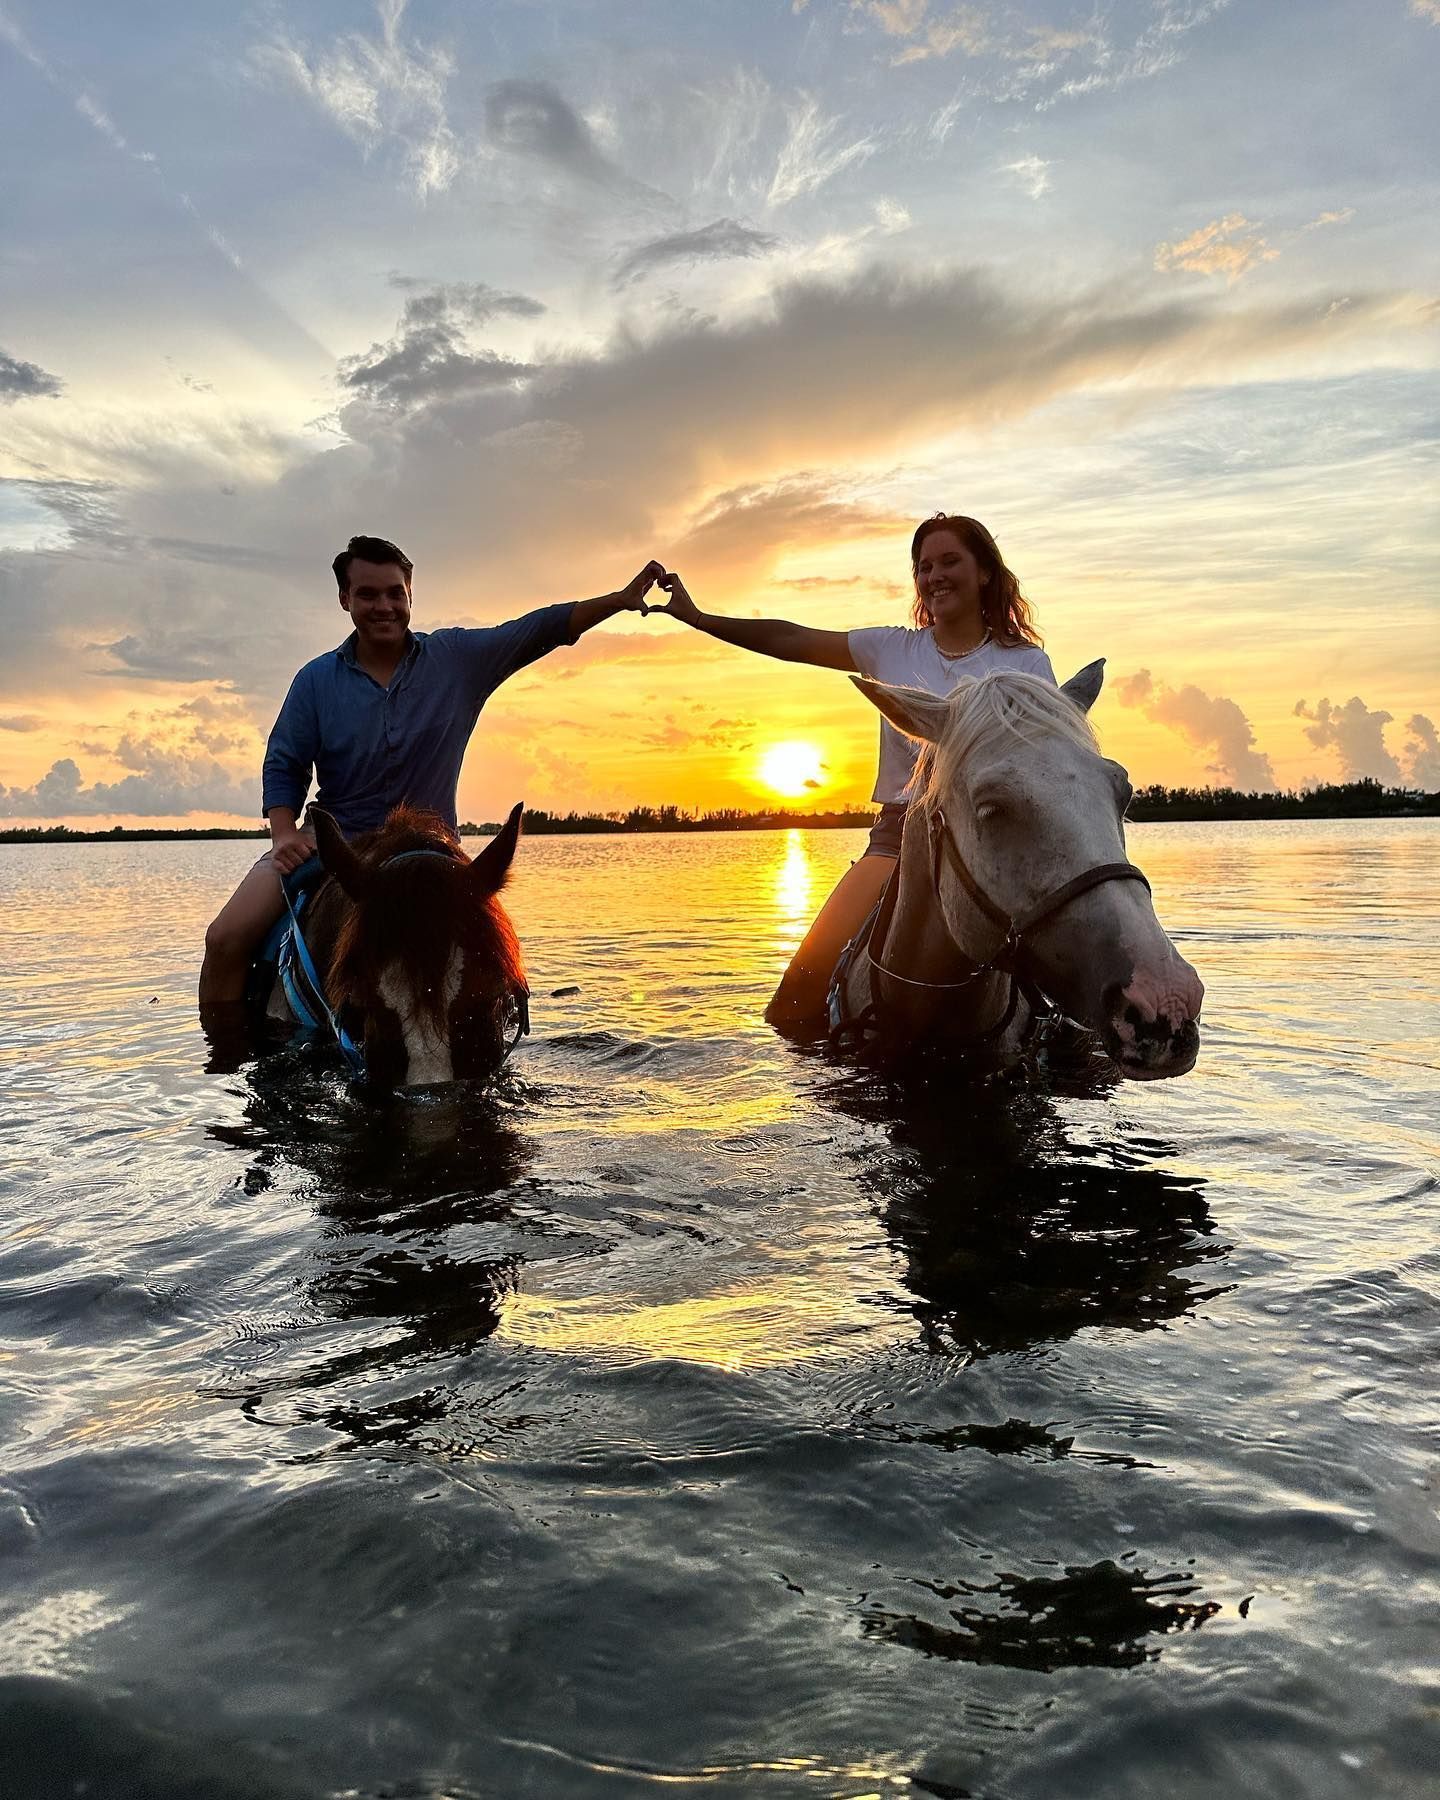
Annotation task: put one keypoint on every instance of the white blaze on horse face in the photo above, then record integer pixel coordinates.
(427, 1049)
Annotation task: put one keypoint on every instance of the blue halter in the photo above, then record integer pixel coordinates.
(300, 1003)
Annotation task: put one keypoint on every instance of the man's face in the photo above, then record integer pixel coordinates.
(378, 600)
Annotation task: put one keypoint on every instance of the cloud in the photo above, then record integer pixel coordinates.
(26, 381)
(1013, 59)
(1357, 736)
(965, 28)
(738, 534)
(719, 734)
(1210, 722)
(202, 756)
(1219, 248)
(175, 655)
(689, 432)
(1422, 753)
(710, 243)
(1342, 216)
(21, 722)
(85, 511)
(1154, 50)
(1032, 172)
(169, 787)
(382, 93)
(1426, 9)
(813, 154)
(533, 119)
(429, 354)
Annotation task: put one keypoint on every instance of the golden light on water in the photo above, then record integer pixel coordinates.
(788, 1319)
(792, 769)
(794, 881)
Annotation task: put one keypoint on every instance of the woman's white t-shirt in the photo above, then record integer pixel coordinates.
(904, 656)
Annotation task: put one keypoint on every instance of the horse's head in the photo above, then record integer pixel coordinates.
(1014, 775)
(425, 955)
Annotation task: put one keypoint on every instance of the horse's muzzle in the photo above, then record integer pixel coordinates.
(1155, 1051)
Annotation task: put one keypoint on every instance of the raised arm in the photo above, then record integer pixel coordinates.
(630, 598)
(767, 637)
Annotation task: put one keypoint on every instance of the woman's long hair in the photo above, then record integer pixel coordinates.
(1005, 608)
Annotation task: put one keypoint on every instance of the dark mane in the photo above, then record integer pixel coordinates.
(418, 913)
(408, 828)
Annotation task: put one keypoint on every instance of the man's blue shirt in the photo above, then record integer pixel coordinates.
(371, 747)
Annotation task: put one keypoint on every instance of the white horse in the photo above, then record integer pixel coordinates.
(1013, 889)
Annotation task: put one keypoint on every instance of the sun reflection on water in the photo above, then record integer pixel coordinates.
(794, 882)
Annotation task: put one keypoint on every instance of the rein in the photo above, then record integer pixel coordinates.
(352, 1052)
(1003, 960)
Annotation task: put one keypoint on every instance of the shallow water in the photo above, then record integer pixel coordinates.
(694, 1416)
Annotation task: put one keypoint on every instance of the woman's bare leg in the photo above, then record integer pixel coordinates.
(798, 1004)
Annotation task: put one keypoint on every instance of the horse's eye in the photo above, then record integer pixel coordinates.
(986, 811)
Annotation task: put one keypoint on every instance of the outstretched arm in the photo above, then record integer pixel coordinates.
(768, 637)
(630, 598)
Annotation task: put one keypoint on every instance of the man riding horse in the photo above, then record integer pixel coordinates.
(382, 721)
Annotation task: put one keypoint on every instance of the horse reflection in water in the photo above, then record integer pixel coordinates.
(421, 959)
(419, 1251)
(1012, 1236)
(1013, 891)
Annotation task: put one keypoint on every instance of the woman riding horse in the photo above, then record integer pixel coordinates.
(969, 619)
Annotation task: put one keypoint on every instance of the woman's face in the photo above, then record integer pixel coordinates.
(949, 579)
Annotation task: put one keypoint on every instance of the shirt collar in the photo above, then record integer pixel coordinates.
(346, 651)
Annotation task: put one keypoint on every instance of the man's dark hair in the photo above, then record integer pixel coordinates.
(369, 549)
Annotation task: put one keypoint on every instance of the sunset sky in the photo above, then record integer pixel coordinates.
(542, 291)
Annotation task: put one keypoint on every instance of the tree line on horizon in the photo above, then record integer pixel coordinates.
(1364, 799)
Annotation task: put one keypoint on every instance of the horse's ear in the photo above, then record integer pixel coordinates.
(1084, 688)
(337, 856)
(917, 714)
(491, 868)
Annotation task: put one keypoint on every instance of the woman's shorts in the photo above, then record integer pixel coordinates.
(885, 832)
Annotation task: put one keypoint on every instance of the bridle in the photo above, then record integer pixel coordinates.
(1014, 931)
(305, 1013)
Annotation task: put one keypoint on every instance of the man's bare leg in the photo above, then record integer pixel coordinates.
(234, 934)
(798, 1004)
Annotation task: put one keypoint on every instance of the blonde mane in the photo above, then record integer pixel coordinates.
(983, 713)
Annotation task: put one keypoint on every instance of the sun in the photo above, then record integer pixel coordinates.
(792, 769)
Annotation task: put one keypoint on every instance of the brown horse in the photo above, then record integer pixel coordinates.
(420, 962)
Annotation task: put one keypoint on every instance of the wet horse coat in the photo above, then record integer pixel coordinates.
(415, 953)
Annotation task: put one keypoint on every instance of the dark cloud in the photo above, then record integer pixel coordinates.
(430, 354)
(26, 381)
(172, 655)
(86, 510)
(21, 722)
(532, 118)
(459, 302)
(231, 556)
(710, 243)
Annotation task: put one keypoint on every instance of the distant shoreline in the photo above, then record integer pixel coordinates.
(1152, 805)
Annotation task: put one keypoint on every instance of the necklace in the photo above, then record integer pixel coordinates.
(959, 655)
